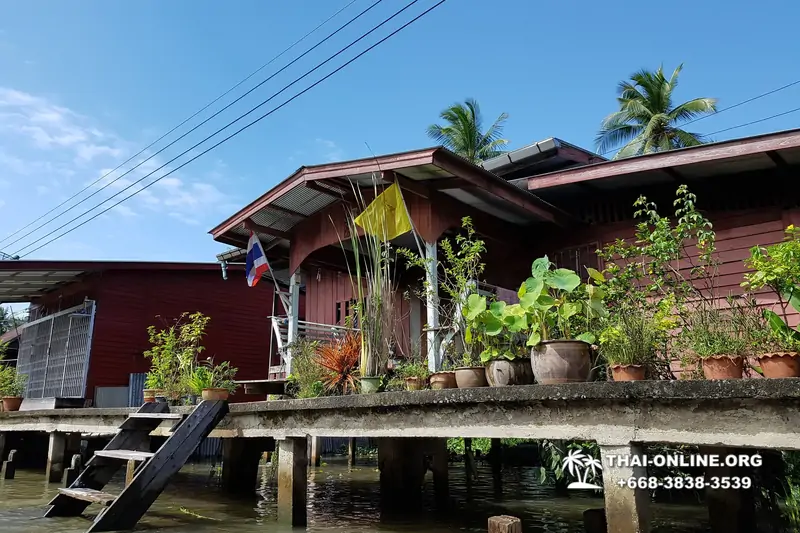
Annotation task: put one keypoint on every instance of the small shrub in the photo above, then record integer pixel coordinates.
(341, 359)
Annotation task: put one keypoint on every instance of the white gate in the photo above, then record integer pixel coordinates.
(54, 353)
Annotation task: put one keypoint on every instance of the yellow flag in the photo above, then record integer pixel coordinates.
(386, 217)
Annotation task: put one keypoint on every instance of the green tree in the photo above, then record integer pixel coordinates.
(6, 319)
(463, 132)
(647, 121)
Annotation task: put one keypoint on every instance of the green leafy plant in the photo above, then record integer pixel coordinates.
(173, 354)
(635, 338)
(555, 302)
(306, 379)
(457, 276)
(412, 369)
(498, 327)
(791, 505)
(778, 268)
(710, 332)
(12, 383)
(207, 375)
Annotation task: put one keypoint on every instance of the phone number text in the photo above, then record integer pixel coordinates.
(686, 483)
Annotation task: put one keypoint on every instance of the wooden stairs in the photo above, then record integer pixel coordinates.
(153, 472)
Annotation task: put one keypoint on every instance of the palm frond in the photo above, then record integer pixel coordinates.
(693, 108)
(684, 139)
(615, 134)
(462, 132)
(633, 148)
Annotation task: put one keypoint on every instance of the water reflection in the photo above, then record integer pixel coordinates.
(339, 500)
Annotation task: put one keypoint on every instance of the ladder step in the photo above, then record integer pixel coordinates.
(157, 416)
(124, 455)
(89, 495)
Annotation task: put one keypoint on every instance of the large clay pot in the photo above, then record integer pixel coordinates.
(370, 385)
(443, 380)
(780, 364)
(723, 367)
(561, 361)
(215, 394)
(415, 383)
(628, 372)
(11, 403)
(471, 376)
(503, 373)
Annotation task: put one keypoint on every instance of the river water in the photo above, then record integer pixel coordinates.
(339, 499)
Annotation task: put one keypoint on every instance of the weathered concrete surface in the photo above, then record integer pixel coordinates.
(743, 413)
(292, 481)
(627, 510)
(56, 453)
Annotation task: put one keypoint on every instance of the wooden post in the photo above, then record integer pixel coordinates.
(74, 470)
(352, 450)
(2, 445)
(9, 467)
(292, 481)
(441, 479)
(313, 459)
(496, 459)
(469, 461)
(56, 457)
(432, 307)
(130, 472)
(505, 524)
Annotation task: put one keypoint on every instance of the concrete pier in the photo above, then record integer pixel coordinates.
(627, 510)
(729, 511)
(56, 457)
(292, 480)
(352, 452)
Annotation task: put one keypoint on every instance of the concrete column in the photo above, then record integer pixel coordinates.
(402, 466)
(432, 306)
(352, 451)
(731, 510)
(292, 481)
(315, 444)
(441, 473)
(56, 451)
(2, 447)
(240, 459)
(496, 460)
(627, 510)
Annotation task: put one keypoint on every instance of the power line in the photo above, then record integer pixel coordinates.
(195, 127)
(265, 115)
(743, 102)
(795, 110)
(143, 150)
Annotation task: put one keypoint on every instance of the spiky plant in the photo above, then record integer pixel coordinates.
(463, 133)
(647, 121)
(341, 358)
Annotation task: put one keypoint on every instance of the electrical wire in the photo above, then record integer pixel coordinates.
(192, 130)
(265, 115)
(143, 150)
(795, 110)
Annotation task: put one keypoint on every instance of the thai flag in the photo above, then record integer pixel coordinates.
(256, 263)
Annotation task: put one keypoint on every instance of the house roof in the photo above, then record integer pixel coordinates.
(23, 280)
(310, 189)
(760, 152)
(540, 157)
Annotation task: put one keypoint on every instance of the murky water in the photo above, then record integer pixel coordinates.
(339, 500)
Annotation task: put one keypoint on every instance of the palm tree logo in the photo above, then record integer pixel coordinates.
(580, 465)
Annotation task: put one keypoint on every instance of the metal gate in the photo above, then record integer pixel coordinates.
(54, 353)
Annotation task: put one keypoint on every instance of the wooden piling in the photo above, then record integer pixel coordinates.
(352, 450)
(505, 524)
(130, 472)
(9, 467)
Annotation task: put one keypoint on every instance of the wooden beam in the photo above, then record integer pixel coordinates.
(336, 193)
(779, 161)
(252, 226)
(673, 174)
(406, 184)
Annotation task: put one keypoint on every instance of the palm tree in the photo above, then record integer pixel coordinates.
(646, 121)
(463, 134)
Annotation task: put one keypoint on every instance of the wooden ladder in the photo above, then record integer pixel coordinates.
(154, 470)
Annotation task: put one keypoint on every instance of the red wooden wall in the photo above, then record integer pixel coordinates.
(129, 301)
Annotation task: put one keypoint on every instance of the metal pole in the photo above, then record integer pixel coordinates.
(47, 357)
(89, 346)
(272, 314)
(66, 355)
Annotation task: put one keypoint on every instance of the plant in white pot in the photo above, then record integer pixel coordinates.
(556, 304)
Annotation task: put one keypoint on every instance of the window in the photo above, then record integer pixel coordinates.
(344, 309)
(578, 258)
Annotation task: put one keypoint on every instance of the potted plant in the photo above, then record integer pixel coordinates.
(12, 387)
(499, 328)
(709, 334)
(213, 382)
(635, 339)
(153, 386)
(414, 373)
(777, 267)
(471, 373)
(555, 301)
(340, 358)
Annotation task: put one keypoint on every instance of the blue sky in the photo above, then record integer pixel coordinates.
(85, 85)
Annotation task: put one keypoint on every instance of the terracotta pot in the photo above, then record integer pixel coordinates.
(628, 372)
(370, 385)
(723, 367)
(150, 395)
(471, 376)
(504, 373)
(561, 361)
(11, 403)
(215, 394)
(443, 380)
(415, 383)
(780, 364)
